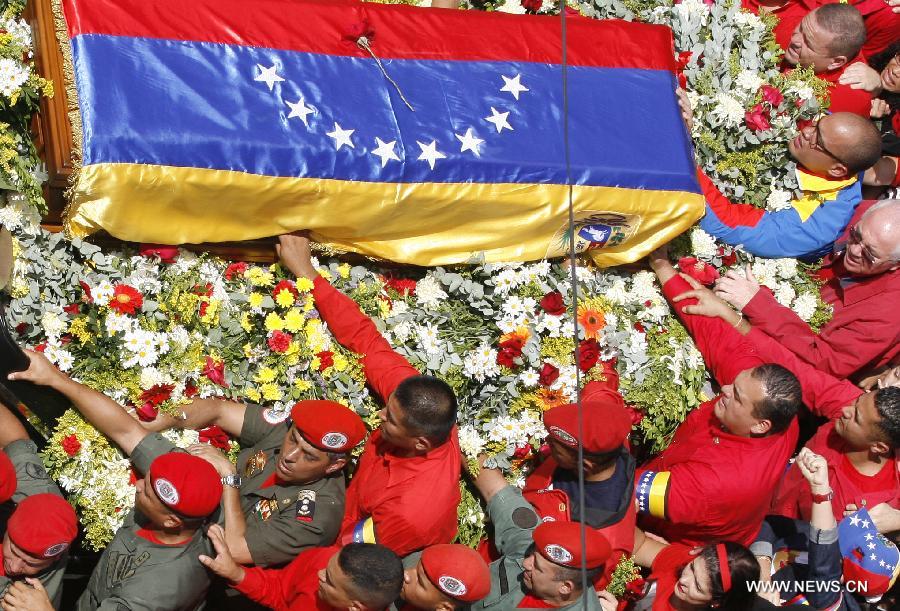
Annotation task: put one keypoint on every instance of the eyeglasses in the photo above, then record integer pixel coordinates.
(854, 236)
(821, 147)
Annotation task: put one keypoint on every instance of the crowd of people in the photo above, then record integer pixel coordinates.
(730, 515)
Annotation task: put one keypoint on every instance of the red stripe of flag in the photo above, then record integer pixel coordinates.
(331, 26)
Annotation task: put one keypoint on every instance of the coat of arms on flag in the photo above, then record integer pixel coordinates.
(422, 136)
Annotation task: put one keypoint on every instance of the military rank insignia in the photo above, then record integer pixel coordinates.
(265, 508)
(306, 505)
(255, 464)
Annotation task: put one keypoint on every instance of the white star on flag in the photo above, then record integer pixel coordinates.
(854, 520)
(881, 563)
(341, 137)
(498, 119)
(268, 76)
(385, 150)
(430, 153)
(871, 546)
(300, 109)
(513, 85)
(869, 536)
(865, 523)
(469, 142)
(873, 557)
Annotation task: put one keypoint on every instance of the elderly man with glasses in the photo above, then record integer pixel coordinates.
(830, 154)
(861, 283)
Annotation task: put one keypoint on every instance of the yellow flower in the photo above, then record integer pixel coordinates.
(252, 394)
(274, 322)
(326, 274)
(284, 298)
(308, 305)
(294, 321)
(292, 359)
(79, 329)
(340, 362)
(265, 375)
(245, 322)
(302, 385)
(248, 350)
(271, 392)
(384, 308)
(314, 364)
(255, 300)
(344, 270)
(304, 285)
(211, 317)
(258, 277)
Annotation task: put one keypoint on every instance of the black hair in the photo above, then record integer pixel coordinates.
(429, 407)
(879, 62)
(846, 25)
(866, 148)
(565, 573)
(782, 396)
(743, 568)
(887, 402)
(375, 573)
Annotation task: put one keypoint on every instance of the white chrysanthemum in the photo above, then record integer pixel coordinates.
(481, 363)
(52, 323)
(429, 339)
(785, 294)
(729, 109)
(19, 30)
(151, 376)
(644, 288)
(512, 6)
(804, 92)
(13, 75)
(143, 357)
(779, 199)
(765, 271)
(402, 330)
(749, 81)
(470, 441)
(617, 292)
(506, 280)
(566, 381)
(529, 378)
(137, 339)
(185, 262)
(11, 217)
(745, 19)
(161, 342)
(688, 8)
(398, 307)
(805, 306)
(179, 337)
(787, 268)
(703, 245)
(429, 293)
(63, 359)
(584, 274)
(549, 325)
(102, 293)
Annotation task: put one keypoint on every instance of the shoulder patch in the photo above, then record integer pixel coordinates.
(525, 518)
(306, 505)
(274, 417)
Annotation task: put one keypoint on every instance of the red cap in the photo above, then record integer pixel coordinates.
(560, 543)
(329, 426)
(606, 423)
(186, 484)
(457, 571)
(7, 478)
(44, 525)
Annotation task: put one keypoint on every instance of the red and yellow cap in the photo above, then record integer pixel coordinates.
(560, 543)
(606, 423)
(328, 425)
(7, 478)
(186, 484)
(457, 571)
(44, 525)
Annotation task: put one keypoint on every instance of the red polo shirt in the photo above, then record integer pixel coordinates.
(789, 15)
(864, 331)
(709, 484)
(666, 571)
(843, 97)
(292, 588)
(411, 501)
(882, 25)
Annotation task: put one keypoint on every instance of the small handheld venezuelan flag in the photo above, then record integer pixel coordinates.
(424, 136)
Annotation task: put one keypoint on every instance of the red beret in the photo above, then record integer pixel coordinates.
(458, 571)
(44, 525)
(186, 484)
(606, 423)
(560, 543)
(329, 426)
(7, 478)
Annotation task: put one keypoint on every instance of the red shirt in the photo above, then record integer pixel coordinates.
(666, 571)
(863, 333)
(882, 25)
(412, 501)
(849, 485)
(789, 16)
(709, 484)
(292, 588)
(843, 97)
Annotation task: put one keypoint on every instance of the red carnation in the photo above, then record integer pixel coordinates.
(285, 285)
(125, 299)
(758, 118)
(191, 390)
(147, 412)
(772, 95)
(326, 359)
(588, 354)
(279, 341)
(157, 394)
(522, 452)
(510, 350)
(729, 260)
(70, 445)
(682, 60)
(532, 6)
(636, 414)
(552, 303)
(21, 327)
(215, 372)
(639, 327)
(403, 286)
(215, 436)
(166, 254)
(72, 309)
(235, 269)
(698, 270)
(549, 375)
(87, 297)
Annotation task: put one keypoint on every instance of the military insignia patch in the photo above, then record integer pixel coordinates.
(274, 417)
(334, 440)
(53, 550)
(558, 554)
(265, 508)
(255, 464)
(306, 505)
(451, 585)
(563, 436)
(166, 491)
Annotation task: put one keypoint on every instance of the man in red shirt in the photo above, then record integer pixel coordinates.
(414, 454)
(716, 479)
(359, 576)
(552, 489)
(882, 25)
(829, 39)
(789, 13)
(862, 285)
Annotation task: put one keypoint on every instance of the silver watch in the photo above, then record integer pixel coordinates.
(232, 479)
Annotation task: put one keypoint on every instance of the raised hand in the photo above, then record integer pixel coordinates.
(737, 288)
(223, 564)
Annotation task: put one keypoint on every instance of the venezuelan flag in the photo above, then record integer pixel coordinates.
(220, 120)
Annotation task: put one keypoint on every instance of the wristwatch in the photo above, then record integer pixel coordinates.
(232, 479)
(821, 498)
